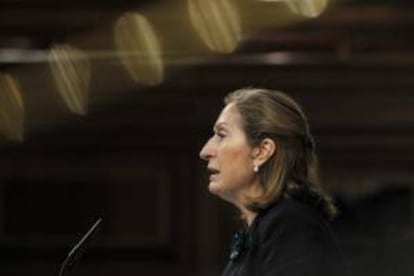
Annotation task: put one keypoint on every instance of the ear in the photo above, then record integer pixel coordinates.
(263, 151)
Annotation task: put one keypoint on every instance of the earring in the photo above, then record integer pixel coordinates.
(256, 168)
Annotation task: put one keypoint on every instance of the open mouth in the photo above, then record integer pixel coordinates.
(213, 172)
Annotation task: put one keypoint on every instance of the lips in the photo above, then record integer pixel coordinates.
(213, 172)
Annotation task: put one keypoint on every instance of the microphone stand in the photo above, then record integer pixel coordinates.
(78, 250)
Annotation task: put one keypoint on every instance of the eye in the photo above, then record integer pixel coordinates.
(221, 134)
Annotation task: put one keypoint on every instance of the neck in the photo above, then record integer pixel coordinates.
(248, 215)
(253, 192)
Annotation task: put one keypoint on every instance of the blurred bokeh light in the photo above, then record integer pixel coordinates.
(139, 49)
(308, 8)
(71, 71)
(217, 22)
(11, 108)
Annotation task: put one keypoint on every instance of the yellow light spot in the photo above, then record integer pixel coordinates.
(139, 49)
(11, 108)
(308, 8)
(71, 72)
(217, 22)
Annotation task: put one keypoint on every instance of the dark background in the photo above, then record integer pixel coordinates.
(133, 159)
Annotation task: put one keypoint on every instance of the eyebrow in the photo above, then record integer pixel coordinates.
(220, 125)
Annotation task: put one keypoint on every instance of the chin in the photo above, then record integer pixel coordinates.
(215, 189)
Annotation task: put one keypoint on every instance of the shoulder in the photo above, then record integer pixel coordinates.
(290, 214)
(292, 234)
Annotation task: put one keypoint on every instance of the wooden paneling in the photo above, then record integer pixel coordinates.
(51, 194)
(133, 159)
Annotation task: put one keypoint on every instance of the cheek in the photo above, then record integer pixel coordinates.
(240, 153)
(238, 161)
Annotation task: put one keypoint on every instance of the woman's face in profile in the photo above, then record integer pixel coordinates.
(229, 157)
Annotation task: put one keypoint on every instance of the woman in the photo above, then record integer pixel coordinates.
(262, 160)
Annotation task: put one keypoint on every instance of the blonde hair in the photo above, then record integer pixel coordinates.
(292, 172)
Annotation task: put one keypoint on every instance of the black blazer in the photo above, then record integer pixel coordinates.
(289, 239)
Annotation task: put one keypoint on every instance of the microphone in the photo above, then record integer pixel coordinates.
(78, 250)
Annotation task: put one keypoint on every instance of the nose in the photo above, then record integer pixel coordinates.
(206, 151)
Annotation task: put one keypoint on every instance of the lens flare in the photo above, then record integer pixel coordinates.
(217, 22)
(71, 71)
(11, 108)
(139, 49)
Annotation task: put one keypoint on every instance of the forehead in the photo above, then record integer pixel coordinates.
(229, 116)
